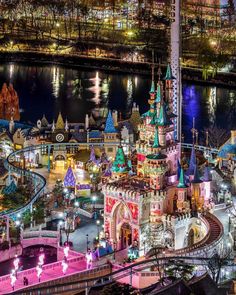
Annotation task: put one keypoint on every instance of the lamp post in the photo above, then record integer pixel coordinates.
(229, 224)
(94, 199)
(114, 245)
(87, 242)
(58, 31)
(98, 228)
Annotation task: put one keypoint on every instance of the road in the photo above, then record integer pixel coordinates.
(78, 237)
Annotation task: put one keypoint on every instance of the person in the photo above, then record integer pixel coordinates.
(24, 281)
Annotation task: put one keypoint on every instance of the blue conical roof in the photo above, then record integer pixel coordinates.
(110, 128)
(178, 168)
(207, 175)
(193, 162)
(196, 178)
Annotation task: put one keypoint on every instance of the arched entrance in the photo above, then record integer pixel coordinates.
(125, 235)
(60, 161)
(121, 226)
(191, 238)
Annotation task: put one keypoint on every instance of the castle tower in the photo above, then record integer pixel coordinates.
(162, 123)
(110, 136)
(169, 86)
(207, 180)
(60, 130)
(192, 162)
(197, 199)
(182, 202)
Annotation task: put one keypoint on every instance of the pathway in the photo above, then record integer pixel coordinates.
(48, 275)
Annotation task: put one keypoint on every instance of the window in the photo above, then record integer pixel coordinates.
(110, 150)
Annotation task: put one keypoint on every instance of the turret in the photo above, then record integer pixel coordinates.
(182, 202)
(168, 83)
(163, 122)
(66, 126)
(11, 126)
(53, 126)
(86, 125)
(156, 170)
(197, 200)
(192, 162)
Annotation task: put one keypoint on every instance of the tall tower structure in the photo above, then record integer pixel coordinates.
(175, 65)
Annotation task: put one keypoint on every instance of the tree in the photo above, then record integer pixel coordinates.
(179, 269)
(217, 261)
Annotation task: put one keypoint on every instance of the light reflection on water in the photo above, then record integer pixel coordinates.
(50, 89)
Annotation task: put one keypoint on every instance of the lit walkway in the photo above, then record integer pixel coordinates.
(48, 275)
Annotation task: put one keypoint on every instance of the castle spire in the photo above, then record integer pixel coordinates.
(181, 183)
(207, 175)
(158, 94)
(163, 119)
(196, 178)
(193, 162)
(156, 140)
(169, 75)
(60, 122)
(109, 127)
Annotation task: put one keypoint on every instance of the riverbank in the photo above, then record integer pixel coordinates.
(111, 65)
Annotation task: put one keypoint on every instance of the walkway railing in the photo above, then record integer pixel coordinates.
(200, 148)
(201, 247)
(40, 233)
(127, 271)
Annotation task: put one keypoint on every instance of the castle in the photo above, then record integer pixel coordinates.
(159, 204)
(9, 103)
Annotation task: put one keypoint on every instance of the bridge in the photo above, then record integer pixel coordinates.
(41, 237)
(101, 275)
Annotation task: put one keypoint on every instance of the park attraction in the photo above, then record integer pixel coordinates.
(163, 200)
(120, 201)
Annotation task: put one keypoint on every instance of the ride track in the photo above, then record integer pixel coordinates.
(131, 270)
(41, 181)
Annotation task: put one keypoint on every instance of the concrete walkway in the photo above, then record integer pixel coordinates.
(48, 275)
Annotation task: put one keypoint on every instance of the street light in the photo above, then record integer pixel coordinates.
(87, 242)
(98, 227)
(94, 199)
(114, 245)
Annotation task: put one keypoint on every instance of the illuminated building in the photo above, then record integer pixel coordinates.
(145, 208)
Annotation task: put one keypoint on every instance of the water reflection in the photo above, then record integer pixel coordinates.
(212, 105)
(56, 81)
(50, 89)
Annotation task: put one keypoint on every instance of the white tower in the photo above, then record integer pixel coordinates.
(175, 65)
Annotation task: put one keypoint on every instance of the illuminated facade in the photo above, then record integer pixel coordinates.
(145, 209)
